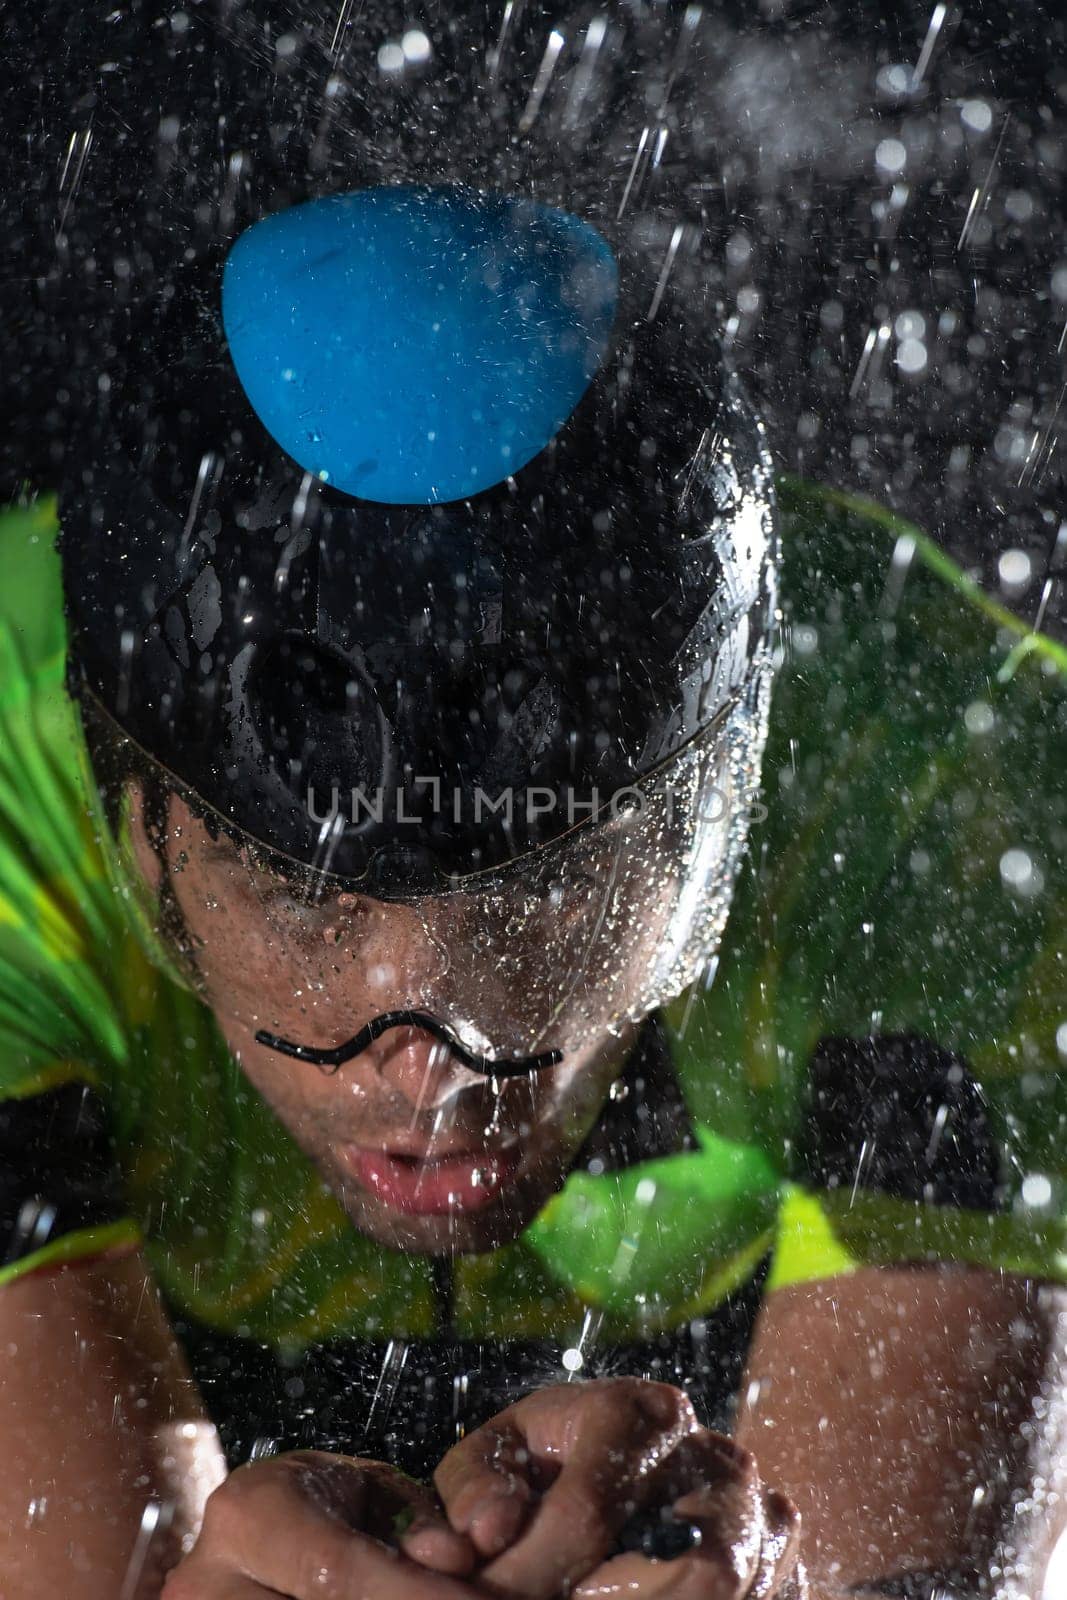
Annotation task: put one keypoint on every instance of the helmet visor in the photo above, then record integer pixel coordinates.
(515, 967)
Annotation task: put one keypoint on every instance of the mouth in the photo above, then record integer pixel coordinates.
(431, 1183)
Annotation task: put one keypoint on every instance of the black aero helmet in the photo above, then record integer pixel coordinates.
(419, 527)
(278, 643)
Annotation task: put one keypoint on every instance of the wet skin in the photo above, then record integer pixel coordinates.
(425, 1155)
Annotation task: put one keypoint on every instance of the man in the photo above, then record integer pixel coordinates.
(476, 982)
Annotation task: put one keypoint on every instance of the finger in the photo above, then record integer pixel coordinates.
(710, 1481)
(638, 1578)
(490, 1481)
(391, 1507)
(183, 1584)
(780, 1550)
(612, 1438)
(749, 1537)
(486, 1484)
(433, 1543)
(290, 1525)
(796, 1586)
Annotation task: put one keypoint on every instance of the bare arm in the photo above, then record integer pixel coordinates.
(107, 1457)
(915, 1415)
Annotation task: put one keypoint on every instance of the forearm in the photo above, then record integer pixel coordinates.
(914, 1414)
(107, 1455)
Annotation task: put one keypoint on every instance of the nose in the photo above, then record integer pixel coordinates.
(423, 1069)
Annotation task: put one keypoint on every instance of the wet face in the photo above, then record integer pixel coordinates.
(425, 1154)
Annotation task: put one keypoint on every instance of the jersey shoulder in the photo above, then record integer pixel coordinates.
(62, 944)
(900, 919)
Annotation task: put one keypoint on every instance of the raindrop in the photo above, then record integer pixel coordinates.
(891, 156)
(977, 115)
(553, 48)
(391, 57)
(978, 717)
(1020, 872)
(1036, 1190)
(910, 325)
(893, 80)
(1014, 569)
(393, 1363)
(911, 356)
(416, 46)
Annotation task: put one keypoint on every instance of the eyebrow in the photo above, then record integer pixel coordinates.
(227, 855)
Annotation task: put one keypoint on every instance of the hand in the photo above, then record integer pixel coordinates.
(544, 1490)
(749, 1535)
(312, 1526)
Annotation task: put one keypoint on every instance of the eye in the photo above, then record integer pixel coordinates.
(290, 902)
(301, 903)
(582, 878)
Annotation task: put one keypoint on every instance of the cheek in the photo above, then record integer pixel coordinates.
(246, 966)
(566, 1107)
(302, 1100)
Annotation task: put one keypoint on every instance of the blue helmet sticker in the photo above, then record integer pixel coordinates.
(414, 345)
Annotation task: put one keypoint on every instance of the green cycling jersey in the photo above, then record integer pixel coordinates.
(906, 874)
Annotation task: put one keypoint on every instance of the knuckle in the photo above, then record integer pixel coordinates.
(781, 1511)
(661, 1403)
(742, 1467)
(250, 1493)
(222, 1515)
(726, 1460)
(462, 1476)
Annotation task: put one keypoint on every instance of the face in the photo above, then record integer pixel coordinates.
(425, 1154)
